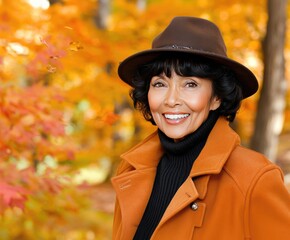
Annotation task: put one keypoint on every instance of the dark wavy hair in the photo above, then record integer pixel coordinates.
(225, 85)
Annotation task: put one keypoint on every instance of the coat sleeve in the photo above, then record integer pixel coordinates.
(267, 212)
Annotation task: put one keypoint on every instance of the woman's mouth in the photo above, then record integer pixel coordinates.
(171, 116)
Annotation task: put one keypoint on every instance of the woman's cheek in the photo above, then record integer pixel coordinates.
(154, 100)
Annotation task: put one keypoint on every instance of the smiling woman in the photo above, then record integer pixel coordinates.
(196, 72)
(192, 179)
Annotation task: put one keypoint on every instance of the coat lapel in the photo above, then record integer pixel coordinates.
(185, 195)
(133, 188)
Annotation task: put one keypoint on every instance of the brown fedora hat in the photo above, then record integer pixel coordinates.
(194, 36)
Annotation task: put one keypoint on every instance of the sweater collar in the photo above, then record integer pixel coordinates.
(191, 142)
(220, 143)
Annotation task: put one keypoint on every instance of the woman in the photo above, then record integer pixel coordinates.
(191, 179)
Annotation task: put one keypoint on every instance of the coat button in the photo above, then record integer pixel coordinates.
(194, 206)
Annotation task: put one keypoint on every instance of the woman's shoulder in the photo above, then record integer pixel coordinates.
(248, 158)
(246, 166)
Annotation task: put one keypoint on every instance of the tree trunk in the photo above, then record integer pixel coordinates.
(270, 113)
(51, 2)
(103, 13)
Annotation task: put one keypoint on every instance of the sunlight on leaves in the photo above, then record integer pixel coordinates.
(43, 4)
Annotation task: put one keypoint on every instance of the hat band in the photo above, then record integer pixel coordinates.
(201, 51)
(174, 46)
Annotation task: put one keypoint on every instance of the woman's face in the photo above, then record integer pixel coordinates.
(179, 105)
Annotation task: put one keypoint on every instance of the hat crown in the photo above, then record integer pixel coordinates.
(193, 34)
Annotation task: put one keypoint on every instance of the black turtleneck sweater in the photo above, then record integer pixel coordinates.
(173, 169)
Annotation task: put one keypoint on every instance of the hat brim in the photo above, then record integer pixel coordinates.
(129, 66)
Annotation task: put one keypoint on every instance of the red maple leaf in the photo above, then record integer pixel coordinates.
(11, 196)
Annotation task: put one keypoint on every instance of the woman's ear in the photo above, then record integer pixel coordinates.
(215, 103)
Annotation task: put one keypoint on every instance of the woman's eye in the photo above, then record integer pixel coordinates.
(158, 84)
(191, 84)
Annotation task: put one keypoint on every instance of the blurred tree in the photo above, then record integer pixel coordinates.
(270, 113)
(103, 13)
(51, 2)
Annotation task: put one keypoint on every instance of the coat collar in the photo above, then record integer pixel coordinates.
(137, 173)
(216, 151)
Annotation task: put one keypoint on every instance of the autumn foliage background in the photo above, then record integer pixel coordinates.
(65, 117)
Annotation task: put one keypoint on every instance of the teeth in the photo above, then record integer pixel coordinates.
(176, 116)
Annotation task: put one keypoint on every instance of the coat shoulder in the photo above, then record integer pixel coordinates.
(245, 166)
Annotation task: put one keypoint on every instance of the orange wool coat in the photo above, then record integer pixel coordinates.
(232, 193)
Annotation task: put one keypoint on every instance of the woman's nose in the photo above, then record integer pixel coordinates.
(172, 97)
